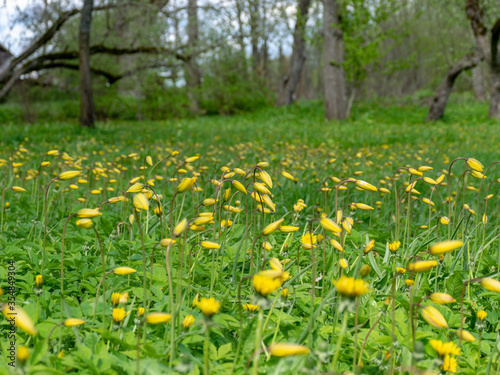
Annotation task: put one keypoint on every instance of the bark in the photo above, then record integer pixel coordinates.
(87, 111)
(494, 111)
(192, 73)
(443, 92)
(478, 82)
(253, 6)
(298, 58)
(333, 58)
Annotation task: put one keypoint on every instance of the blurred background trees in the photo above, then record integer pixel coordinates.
(157, 59)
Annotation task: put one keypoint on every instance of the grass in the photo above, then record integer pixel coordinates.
(379, 326)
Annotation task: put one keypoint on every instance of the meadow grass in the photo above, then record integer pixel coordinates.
(310, 261)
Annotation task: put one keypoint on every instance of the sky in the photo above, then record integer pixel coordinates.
(11, 36)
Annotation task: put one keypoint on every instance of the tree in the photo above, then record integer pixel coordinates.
(298, 58)
(486, 46)
(87, 111)
(192, 72)
(333, 59)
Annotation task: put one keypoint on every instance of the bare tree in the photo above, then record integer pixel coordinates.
(298, 58)
(333, 58)
(87, 110)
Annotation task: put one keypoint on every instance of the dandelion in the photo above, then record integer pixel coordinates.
(267, 282)
(119, 314)
(350, 287)
(251, 308)
(23, 354)
(209, 306)
(481, 315)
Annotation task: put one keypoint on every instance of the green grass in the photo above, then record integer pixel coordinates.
(379, 138)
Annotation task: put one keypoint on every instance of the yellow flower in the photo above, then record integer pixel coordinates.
(445, 247)
(308, 241)
(434, 317)
(288, 229)
(276, 264)
(115, 298)
(481, 315)
(123, 271)
(141, 202)
(210, 245)
(18, 189)
(186, 184)
(491, 284)
(343, 263)
(362, 206)
(140, 311)
(287, 350)
(442, 298)
(23, 354)
(119, 314)
(68, 175)
(287, 175)
(474, 165)
(365, 270)
(73, 322)
(209, 306)
(336, 245)
(251, 308)
(61, 354)
(400, 270)
(20, 318)
(422, 265)
(208, 202)
(329, 225)
(444, 220)
(88, 213)
(135, 188)
(39, 281)
(274, 226)
(158, 318)
(85, 223)
(267, 282)
(180, 228)
(350, 287)
(264, 176)
(239, 186)
(369, 246)
(443, 349)
(449, 364)
(167, 241)
(465, 335)
(285, 293)
(409, 282)
(195, 301)
(394, 246)
(188, 321)
(365, 185)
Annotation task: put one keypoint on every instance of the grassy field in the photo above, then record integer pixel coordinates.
(266, 243)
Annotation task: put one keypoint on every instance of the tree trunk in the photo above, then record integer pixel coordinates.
(192, 72)
(444, 90)
(333, 58)
(87, 111)
(298, 58)
(253, 6)
(478, 82)
(495, 72)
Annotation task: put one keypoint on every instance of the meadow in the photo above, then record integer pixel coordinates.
(264, 243)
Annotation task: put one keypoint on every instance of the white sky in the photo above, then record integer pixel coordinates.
(11, 36)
